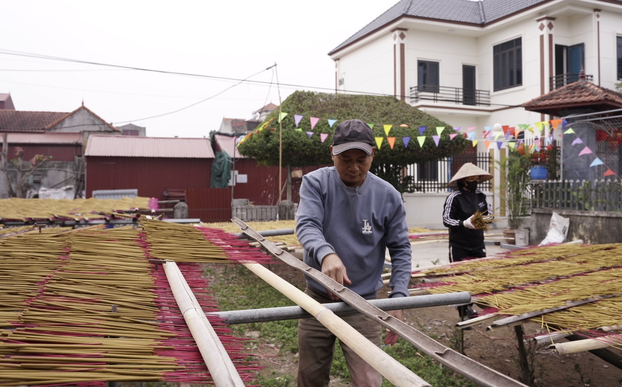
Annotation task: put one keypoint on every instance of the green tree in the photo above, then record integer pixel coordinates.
(300, 150)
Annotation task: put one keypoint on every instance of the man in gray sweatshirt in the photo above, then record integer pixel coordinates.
(346, 220)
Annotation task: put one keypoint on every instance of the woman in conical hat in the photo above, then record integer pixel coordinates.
(466, 240)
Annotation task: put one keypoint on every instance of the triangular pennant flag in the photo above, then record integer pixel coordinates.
(470, 128)
(596, 162)
(379, 142)
(323, 136)
(404, 126)
(387, 129)
(298, 130)
(564, 123)
(436, 139)
(609, 173)
(452, 136)
(391, 141)
(585, 151)
(497, 135)
(309, 134)
(371, 126)
(457, 128)
(439, 130)
(314, 121)
(555, 123)
(331, 123)
(297, 118)
(487, 144)
(569, 131)
(282, 115)
(421, 130)
(421, 140)
(512, 145)
(474, 143)
(471, 136)
(540, 124)
(406, 141)
(499, 144)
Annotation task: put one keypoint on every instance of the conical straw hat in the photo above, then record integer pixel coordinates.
(467, 170)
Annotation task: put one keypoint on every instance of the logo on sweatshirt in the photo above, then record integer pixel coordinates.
(366, 227)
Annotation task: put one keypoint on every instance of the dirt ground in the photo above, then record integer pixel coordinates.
(496, 349)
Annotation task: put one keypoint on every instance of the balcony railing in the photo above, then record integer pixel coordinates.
(560, 80)
(449, 94)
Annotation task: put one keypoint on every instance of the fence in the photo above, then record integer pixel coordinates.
(603, 195)
(433, 176)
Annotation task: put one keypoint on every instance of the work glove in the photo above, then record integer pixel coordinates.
(467, 223)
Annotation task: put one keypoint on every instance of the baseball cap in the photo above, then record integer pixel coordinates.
(353, 134)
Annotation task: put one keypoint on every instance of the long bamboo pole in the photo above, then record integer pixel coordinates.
(218, 362)
(390, 368)
(587, 344)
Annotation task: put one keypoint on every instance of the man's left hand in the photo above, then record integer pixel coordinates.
(391, 337)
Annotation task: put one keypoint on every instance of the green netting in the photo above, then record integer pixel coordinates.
(221, 170)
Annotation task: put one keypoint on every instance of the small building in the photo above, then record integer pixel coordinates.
(156, 166)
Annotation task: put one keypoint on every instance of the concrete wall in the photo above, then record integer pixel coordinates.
(590, 226)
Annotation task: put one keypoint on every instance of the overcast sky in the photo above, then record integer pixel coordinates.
(217, 43)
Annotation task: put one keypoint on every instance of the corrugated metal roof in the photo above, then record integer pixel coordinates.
(452, 11)
(125, 146)
(44, 138)
(227, 144)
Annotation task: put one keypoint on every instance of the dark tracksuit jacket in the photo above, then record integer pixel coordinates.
(459, 206)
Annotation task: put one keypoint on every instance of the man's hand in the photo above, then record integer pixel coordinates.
(334, 268)
(391, 337)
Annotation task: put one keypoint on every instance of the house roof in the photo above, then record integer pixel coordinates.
(44, 138)
(227, 143)
(477, 13)
(24, 121)
(6, 102)
(127, 146)
(580, 95)
(27, 121)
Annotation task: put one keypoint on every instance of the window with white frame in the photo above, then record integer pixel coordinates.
(619, 57)
(508, 64)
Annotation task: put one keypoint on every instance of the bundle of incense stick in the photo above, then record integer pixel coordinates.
(480, 221)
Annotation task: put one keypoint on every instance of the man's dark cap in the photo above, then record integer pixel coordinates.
(353, 134)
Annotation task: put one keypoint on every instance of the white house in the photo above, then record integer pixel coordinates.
(474, 63)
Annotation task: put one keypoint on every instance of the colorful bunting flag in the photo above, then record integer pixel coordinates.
(609, 173)
(436, 139)
(297, 118)
(585, 151)
(596, 162)
(439, 130)
(421, 130)
(421, 140)
(379, 142)
(406, 141)
(391, 141)
(577, 141)
(323, 136)
(387, 129)
(569, 131)
(331, 123)
(314, 121)
(281, 116)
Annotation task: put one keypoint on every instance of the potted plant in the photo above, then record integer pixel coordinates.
(516, 168)
(544, 164)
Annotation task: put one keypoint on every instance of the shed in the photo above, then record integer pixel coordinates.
(154, 166)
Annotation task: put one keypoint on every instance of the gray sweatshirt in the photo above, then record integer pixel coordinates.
(358, 224)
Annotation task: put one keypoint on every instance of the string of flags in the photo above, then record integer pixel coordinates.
(491, 136)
